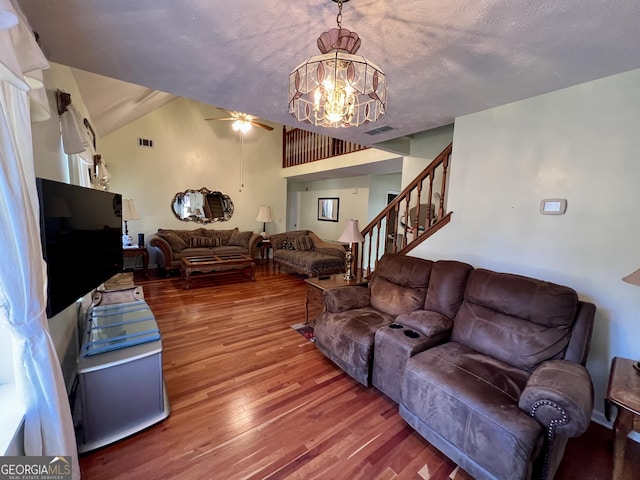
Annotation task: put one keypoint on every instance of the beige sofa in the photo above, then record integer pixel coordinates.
(172, 245)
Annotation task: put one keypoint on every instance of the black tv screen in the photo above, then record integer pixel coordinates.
(81, 233)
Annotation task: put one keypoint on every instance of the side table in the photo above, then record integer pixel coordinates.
(624, 393)
(265, 246)
(132, 252)
(315, 288)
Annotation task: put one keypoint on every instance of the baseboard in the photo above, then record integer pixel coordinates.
(599, 418)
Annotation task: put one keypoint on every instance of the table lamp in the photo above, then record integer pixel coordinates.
(350, 235)
(129, 212)
(264, 216)
(634, 279)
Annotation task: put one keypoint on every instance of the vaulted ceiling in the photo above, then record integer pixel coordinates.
(442, 58)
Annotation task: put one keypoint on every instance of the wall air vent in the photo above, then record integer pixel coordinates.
(375, 131)
(145, 142)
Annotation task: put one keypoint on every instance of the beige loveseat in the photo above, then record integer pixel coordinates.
(304, 252)
(172, 245)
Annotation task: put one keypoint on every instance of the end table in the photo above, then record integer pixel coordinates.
(624, 393)
(316, 287)
(265, 246)
(132, 252)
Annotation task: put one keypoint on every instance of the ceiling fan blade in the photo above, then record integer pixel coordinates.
(261, 125)
(220, 119)
(228, 112)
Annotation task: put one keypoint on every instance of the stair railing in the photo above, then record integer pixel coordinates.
(412, 217)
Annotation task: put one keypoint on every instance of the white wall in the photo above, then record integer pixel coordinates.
(190, 153)
(580, 143)
(353, 193)
(51, 162)
(379, 186)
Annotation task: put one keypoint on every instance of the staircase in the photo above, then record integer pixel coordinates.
(412, 217)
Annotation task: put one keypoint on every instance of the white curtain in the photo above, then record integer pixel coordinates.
(48, 428)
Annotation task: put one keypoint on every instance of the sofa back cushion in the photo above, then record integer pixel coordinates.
(210, 241)
(240, 239)
(446, 287)
(173, 239)
(278, 239)
(399, 283)
(519, 320)
(303, 243)
(223, 235)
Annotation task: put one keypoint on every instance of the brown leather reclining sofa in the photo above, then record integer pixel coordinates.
(487, 366)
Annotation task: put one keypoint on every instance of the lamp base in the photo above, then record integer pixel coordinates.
(349, 276)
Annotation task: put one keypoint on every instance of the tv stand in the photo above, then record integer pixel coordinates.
(121, 389)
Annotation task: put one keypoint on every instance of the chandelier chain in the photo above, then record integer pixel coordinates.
(339, 16)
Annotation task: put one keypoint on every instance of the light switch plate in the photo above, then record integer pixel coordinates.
(553, 206)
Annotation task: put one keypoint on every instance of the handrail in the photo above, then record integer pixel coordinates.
(301, 146)
(406, 222)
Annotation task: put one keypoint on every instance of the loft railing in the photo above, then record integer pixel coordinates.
(300, 147)
(412, 217)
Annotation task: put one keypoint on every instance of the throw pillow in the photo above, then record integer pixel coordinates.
(240, 239)
(303, 243)
(174, 241)
(205, 242)
(287, 245)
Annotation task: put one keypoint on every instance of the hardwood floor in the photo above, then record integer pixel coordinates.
(253, 399)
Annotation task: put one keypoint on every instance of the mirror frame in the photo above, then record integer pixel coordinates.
(226, 200)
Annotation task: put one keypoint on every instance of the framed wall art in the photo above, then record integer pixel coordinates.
(328, 209)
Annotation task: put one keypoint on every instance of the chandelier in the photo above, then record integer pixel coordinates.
(337, 88)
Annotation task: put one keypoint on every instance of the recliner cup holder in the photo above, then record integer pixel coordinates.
(396, 325)
(411, 333)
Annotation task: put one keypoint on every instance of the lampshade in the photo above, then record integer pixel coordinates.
(337, 88)
(129, 211)
(351, 233)
(264, 214)
(633, 278)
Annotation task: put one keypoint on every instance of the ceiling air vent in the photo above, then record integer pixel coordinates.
(145, 142)
(375, 131)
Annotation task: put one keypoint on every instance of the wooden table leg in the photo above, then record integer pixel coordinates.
(621, 428)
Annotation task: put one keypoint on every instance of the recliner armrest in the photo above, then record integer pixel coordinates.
(431, 324)
(341, 299)
(559, 395)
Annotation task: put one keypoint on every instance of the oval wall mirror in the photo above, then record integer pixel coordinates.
(202, 206)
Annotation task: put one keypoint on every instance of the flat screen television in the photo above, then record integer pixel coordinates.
(81, 234)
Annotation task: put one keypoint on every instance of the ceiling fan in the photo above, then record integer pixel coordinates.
(241, 121)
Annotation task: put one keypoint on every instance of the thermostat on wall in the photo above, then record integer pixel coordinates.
(553, 206)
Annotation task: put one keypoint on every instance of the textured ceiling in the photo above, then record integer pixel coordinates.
(442, 58)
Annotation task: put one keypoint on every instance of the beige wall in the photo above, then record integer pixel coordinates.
(581, 144)
(190, 153)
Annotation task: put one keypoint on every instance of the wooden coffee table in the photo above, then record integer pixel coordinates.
(216, 264)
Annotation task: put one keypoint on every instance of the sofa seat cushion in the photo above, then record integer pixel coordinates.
(308, 260)
(347, 339)
(204, 252)
(471, 400)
